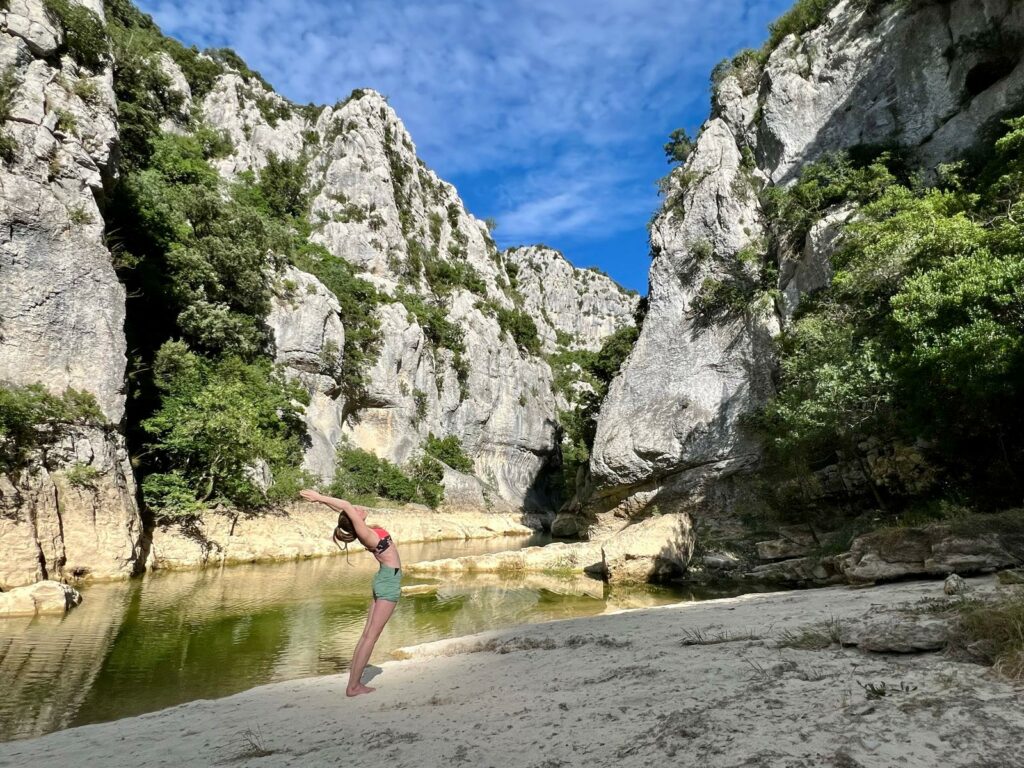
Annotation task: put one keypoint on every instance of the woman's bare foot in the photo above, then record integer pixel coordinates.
(358, 689)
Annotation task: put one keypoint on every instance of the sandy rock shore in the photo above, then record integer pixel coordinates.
(695, 684)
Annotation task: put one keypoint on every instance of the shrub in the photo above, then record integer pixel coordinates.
(216, 421)
(358, 300)
(419, 399)
(81, 475)
(31, 419)
(918, 339)
(804, 16)
(520, 327)
(450, 451)
(85, 38)
(679, 146)
(993, 633)
(362, 476)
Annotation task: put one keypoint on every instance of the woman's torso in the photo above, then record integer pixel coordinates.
(389, 555)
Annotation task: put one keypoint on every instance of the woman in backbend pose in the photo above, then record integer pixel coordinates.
(386, 584)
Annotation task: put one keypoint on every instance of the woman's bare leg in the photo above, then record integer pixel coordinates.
(380, 612)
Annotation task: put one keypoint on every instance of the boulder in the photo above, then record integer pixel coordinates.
(655, 549)
(954, 585)
(932, 550)
(896, 633)
(43, 597)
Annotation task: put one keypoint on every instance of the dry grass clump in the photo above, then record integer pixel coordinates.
(817, 637)
(993, 633)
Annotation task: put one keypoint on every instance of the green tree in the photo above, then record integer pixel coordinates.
(218, 422)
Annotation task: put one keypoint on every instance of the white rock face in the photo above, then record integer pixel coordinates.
(309, 340)
(62, 311)
(913, 77)
(581, 303)
(377, 206)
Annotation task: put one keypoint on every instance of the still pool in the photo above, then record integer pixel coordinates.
(138, 646)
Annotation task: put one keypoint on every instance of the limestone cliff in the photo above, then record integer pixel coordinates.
(72, 510)
(376, 205)
(578, 307)
(929, 77)
(61, 305)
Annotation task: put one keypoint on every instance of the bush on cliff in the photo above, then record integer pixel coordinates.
(918, 341)
(450, 451)
(31, 418)
(362, 477)
(220, 421)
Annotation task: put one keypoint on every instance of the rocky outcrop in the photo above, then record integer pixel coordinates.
(309, 340)
(40, 598)
(934, 550)
(920, 76)
(656, 549)
(579, 306)
(61, 306)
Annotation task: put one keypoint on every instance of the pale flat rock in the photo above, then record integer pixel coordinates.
(897, 633)
(40, 598)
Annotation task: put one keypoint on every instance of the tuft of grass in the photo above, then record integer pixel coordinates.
(704, 637)
(992, 633)
(817, 637)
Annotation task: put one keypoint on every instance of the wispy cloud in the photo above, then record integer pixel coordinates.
(562, 105)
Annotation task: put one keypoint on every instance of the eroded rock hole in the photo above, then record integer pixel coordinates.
(986, 74)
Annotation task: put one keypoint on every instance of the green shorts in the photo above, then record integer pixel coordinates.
(387, 584)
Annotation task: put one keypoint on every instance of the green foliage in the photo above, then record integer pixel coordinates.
(918, 340)
(450, 451)
(519, 326)
(358, 299)
(804, 16)
(32, 419)
(679, 146)
(596, 371)
(834, 179)
(281, 185)
(81, 475)
(433, 319)
(85, 37)
(8, 90)
(444, 276)
(210, 254)
(144, 94)
(200, 71)
(86, 90)
(361, 476)
(742, 286)
(229, 58)
(419, 399)
(218, 420)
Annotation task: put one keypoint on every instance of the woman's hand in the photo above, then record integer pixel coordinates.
(310, 495)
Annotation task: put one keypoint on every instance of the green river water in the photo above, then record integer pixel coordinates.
(150, 643)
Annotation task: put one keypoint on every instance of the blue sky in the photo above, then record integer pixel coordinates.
(547, 116)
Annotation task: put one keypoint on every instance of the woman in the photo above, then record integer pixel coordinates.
(386, 584)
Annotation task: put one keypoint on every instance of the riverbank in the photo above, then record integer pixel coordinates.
(304, 530)
(699, 683)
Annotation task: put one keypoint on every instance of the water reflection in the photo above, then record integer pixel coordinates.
(170, 638)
